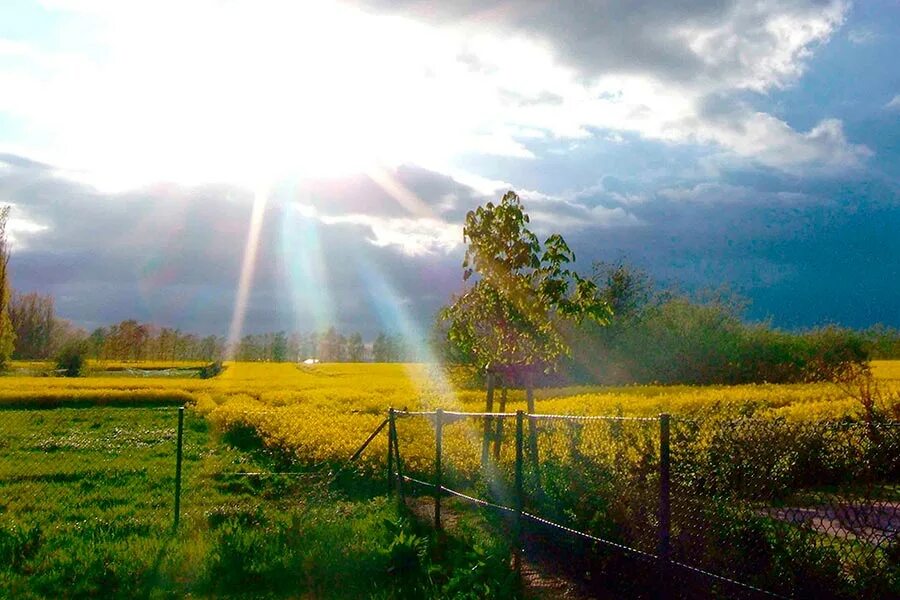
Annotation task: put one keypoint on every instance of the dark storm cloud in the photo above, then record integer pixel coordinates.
(821, 251)
(173, 254)
(642, 36)
(803, 251)
(363, 194)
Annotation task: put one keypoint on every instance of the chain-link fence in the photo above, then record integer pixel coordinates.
(107, 474)
(670, 506)
(647, 506)
(80, 468)
(146, 502)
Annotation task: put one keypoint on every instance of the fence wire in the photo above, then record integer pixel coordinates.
(708, 508)
(87, 468)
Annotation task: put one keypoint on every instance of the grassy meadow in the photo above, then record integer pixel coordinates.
(87, 485)
(87, 510)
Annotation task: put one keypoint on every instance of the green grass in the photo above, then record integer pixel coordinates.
(86, 510)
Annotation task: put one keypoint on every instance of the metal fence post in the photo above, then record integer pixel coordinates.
(438, 471)
(664, 551)
(390, 451)
(520, 500)
(178, 457)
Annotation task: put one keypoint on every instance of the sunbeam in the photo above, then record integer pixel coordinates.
(305, 265)
(399, 192)
(248, 267)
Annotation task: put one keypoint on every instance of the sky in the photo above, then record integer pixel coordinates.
(236, 166)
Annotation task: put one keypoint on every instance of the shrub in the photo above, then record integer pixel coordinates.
(72, 358)
(18, 544)
(211, 370)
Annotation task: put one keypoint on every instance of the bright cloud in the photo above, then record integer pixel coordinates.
(249, 91)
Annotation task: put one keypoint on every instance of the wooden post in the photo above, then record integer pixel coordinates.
(532, 429)
(664, 550)
(489, 407)
(178, 458)
(390, 450)
(399, 464)
(438, 470)
(520, 500)
(499, 435)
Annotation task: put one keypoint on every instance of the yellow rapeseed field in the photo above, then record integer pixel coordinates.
(321, 413)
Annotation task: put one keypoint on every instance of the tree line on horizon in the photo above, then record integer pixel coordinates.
(528, 315)
(41, 335)
(636, 333)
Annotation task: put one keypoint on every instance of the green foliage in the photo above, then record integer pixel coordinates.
(211, 370)
(18, 544)
(72, 358)
(355, 348)
(391, 348)
(882, 342)
(33, 321)
(517, 313)
(773, 555)
(672, 338)
(95, 521)
(280, 347)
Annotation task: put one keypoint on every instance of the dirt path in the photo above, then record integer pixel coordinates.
(540, 579)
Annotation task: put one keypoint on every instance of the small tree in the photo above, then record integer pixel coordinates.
(513, 320)
(514, 317)
(32, 321)
(72, 358)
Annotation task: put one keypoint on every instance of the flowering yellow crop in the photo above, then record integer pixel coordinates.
(321, 413)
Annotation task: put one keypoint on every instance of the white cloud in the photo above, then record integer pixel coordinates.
(861, 36)
(19, 227)
(894, 103)
(412, 236)
(714, 193)
(244, 91)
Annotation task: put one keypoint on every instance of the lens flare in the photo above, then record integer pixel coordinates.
(305, 265)
(248, 266)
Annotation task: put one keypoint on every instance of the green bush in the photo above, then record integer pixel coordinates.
(72, 358)
(683, 341)
(18, 544)
(211, 370)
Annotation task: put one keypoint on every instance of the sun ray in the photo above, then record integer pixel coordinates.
(305, 264)
(400, 193)
(248, 267)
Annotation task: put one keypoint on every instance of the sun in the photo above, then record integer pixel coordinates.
(251, 93)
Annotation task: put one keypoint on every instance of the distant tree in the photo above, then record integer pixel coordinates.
(381, 348)
(7, 334)
(626, 289)
(211, 348)
(355, 348)
(72, 358)
(32, 320)
(330, 346)
(63, 333)
(279, 347)
(250, 348)
(309, 346)
(96, 342)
